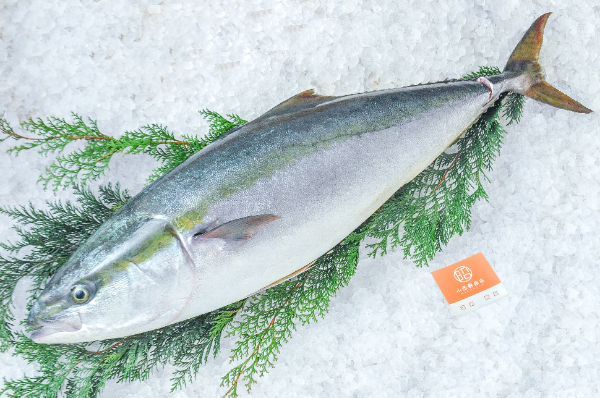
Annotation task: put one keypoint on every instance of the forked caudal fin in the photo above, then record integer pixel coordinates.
(524, 62)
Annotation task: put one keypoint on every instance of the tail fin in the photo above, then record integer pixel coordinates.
(524, 61)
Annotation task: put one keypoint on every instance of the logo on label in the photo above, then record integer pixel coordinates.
(469, 284)
(463, 274)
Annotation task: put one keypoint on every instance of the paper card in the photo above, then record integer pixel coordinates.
(469, 284)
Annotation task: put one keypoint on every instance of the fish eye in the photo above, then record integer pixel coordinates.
(80, 294)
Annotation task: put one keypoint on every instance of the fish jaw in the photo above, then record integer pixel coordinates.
(50, 330)
(54, 333)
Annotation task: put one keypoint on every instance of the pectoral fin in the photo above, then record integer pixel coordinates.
(240, 230)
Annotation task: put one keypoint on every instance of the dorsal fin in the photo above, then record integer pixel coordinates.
(299, 102)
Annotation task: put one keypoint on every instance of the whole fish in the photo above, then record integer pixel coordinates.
(260, 204)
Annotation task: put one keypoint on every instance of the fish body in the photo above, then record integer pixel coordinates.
(261, 203)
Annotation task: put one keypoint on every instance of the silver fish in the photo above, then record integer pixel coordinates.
(264, 201)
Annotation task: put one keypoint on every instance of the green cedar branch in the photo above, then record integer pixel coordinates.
(76, 370)
(92, 161)
(269, 318)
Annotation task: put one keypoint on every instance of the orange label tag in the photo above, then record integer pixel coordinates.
(469, 284)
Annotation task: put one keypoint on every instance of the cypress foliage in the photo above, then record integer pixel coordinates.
(420, 219)
(84, 165)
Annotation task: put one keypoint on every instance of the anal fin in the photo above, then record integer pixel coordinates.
(285, 278)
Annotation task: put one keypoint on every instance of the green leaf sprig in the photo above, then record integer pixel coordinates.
(84, 165)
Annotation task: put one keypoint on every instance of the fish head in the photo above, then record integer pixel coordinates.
(124, 280)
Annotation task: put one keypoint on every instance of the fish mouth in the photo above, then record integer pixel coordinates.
(60, 330)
